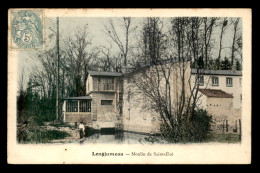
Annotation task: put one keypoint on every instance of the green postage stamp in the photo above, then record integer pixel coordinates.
(129, 86)
(26, 29)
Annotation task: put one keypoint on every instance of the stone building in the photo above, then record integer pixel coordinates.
(112, 98)
(220, 94)
(100, 107)
(229, 81)
(138, 114)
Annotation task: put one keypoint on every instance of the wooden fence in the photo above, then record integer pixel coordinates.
(224, 125)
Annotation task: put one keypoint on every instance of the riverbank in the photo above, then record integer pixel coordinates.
(63, 133)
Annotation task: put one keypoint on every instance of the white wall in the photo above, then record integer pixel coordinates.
(137, 116)
(235, 90)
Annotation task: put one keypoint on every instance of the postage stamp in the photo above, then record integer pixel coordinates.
(26, 29)
(129, 86)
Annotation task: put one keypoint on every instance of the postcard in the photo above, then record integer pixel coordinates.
(129, 86)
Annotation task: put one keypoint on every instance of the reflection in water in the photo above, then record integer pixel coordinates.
(115, 138)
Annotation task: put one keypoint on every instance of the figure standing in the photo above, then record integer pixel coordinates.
(81, 129)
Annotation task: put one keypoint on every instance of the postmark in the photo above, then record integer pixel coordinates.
(26, 29)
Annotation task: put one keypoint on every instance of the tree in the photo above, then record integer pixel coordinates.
(78, 56)
(168, 86)
(153, 40)
(238, 66)
(236, 41)
(224, 25)
(21, 100)
(225, 64)
(195, 40)
(209, 24)
(123, 44)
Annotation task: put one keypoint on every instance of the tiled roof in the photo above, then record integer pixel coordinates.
(104, 73)
(78, 98)
(218, 72)
(215, 93)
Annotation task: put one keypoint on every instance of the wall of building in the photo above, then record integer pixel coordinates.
(138, 116)
(220, 107)
(223, 113)
(71, 118)
(202, 101)
(104, 113)
(89, 84)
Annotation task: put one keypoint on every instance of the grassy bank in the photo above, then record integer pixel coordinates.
(44, 136)
(224, 138)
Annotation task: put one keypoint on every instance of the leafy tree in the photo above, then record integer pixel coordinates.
(225, 64)
(238, 66)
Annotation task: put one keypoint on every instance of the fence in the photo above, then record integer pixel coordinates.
(224, 125)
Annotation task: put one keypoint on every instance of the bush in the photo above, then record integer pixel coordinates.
(54, 134)
(35, 121)
(44, 136)
(196, 129)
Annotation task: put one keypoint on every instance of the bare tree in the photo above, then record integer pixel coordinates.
(153, 39)
(123, 44)
(78, 57)
(223, 25)
(209, 24)
(194, 38)
(168, 84)
(236, 41)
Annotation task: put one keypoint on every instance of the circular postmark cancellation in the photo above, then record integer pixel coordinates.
(26, 29)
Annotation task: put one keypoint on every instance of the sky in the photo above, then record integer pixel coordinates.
(99, 38)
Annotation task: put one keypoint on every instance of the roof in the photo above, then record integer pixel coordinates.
(104, 73)
(218, 72)
(78, 98)
(215, 93)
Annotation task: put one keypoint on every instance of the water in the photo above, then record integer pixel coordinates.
(118, 138)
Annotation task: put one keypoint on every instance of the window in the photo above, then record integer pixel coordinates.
(215, 81)
(106, 84)
(106, 102)
(84, 106)
(229, 82)
(201, 80)
(240, 97)
(72, 106)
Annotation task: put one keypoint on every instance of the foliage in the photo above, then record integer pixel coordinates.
(217, 64)
(21, 107)
(35, 121)
(151, 139)
(43, 136)
(54, 134)
(238, 65)
(223, 138)
(195, 129)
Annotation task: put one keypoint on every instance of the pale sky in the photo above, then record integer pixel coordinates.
(99, 38)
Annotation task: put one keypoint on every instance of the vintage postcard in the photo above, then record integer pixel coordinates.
(129, 86)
